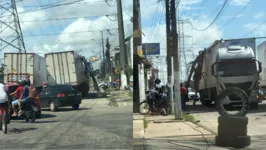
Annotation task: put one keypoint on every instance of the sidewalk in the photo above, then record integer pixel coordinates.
(120, 98)
(163, 132)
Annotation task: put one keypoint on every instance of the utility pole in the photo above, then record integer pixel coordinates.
(137, 41)
(123, 52)
(104, 63)
(174, 47)
(108, 57)
(169, 56)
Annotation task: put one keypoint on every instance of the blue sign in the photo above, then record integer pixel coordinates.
(152, 48)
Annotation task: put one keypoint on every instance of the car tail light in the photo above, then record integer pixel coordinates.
(60, 95)
(79, 94)
(37, 101)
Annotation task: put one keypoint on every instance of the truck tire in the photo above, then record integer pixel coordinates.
(75, 107)
(235, 142)
(204, 102)
(232, 121)
(232, 131)
(229, 91)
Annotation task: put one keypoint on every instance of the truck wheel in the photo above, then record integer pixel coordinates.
(206, 102)
(233, 91)
(53, 108)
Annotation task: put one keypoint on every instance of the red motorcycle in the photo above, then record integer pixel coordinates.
(4, 116)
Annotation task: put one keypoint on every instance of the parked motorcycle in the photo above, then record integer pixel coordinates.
(29, 111)
(156, 103)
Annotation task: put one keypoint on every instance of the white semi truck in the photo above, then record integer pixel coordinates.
(227, 63)
(262, 58)
(68, 67)
(18, 65)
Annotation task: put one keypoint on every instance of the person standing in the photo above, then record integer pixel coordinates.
(183, 95)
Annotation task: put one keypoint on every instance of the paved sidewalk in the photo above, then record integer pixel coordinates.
(163, 132)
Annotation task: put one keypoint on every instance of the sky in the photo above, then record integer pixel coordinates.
(239, 19)
(71, 25)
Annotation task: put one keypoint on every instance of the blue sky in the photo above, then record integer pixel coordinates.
(239, 19)
(65, 23)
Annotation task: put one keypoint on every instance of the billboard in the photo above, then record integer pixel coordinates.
(151, 48)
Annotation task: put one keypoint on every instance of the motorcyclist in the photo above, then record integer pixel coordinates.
(18, 91)
(3, 94)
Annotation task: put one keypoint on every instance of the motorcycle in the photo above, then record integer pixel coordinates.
(29, 111)
(156, 103)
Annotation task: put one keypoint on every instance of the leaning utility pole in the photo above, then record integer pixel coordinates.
(169, 56)
(104, 63)
(10, 27)
(137, 41)
(174, 47)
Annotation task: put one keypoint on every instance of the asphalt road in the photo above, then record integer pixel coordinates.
(95, 126)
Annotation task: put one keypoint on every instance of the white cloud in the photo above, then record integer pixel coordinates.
(259, 15)
(240, 2)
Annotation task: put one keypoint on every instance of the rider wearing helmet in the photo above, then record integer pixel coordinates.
(18, 91)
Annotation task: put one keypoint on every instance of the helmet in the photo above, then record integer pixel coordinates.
(20, 82)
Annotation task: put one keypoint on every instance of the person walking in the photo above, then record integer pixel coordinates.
(183, 95)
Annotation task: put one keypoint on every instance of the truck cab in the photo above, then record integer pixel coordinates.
(236, 66)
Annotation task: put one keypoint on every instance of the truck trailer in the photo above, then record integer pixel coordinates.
(68, 67)
(227, 63)
(262, 58)
(18, 65)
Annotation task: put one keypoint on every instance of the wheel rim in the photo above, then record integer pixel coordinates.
(144, 108)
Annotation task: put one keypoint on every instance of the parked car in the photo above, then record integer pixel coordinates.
(12, 88)
(191, 94)
(59, 95)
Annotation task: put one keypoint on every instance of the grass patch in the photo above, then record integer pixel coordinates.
(113, 101)
(187, 117)
(145, 123)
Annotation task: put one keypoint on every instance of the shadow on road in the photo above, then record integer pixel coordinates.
(45, 121)
(71, 109)
(20, 130)
(43, 116)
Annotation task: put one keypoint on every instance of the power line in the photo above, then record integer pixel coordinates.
(48, 34)
(217, 16)
(51, 6)
(57, 19)
(154, 17)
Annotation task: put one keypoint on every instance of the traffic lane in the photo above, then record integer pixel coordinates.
(68, 129)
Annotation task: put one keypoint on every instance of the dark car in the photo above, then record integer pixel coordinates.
(12, 88)
(55, 96)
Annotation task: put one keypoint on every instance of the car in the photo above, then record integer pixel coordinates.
(59, 95)
(191, 94)
(12, 88)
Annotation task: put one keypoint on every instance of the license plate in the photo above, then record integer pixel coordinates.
(70, 94)
(35, 108)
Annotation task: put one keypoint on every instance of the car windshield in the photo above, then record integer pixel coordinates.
(62, 88)
(237, 69)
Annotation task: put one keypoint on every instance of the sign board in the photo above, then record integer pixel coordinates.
(94, 58)
(151, 48)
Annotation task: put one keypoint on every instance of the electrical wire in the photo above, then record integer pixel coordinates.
(217, 16)
(48, 34)
(154, 17)
(160, 19)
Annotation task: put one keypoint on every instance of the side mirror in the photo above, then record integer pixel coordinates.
(212, 69)
(260, 67)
